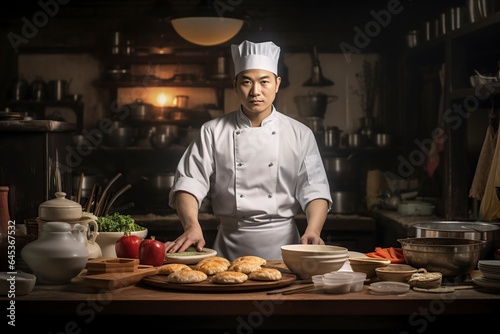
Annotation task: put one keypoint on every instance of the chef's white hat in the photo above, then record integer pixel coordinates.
(249, 55)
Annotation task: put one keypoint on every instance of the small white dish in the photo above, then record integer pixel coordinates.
(488, 284)
(490, 275)
(18, 284)
(492, 264)
(189, 257)
(388, 287)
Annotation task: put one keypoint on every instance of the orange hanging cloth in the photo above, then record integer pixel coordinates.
(437, 145)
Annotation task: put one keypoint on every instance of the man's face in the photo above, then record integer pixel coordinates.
(257, 90)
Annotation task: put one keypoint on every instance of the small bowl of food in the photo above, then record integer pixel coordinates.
(367, 265)
(395, 273)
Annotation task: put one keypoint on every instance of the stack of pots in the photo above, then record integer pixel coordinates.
(342, 174)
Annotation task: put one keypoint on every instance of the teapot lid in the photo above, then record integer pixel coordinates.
(60, 208)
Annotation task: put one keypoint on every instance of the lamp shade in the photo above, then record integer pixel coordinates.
(207, 31)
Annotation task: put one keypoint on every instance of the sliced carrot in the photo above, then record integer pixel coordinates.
(393, 253)
(375, 255)
(398, 261)
(383, 252)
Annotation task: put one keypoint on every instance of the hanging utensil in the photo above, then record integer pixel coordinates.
(113, 199)
(317, 79)
(122, 208)
(79, 191)
(101, 203)
(88, 207)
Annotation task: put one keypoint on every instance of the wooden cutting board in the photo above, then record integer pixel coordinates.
(160, 281)
(111, 265)
(117, 280)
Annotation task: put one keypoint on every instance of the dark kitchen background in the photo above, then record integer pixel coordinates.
(79, 63)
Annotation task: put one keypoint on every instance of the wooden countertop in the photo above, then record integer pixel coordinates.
(88, 308)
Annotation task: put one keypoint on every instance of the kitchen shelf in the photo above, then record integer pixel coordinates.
(157, 83)
(461, 51)
(39, 107)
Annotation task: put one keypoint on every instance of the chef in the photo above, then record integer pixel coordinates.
(259, 167)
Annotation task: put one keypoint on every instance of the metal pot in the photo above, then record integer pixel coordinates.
(339, 167)
(121, 136)
(162, 136)
(160, 183)
(344, 201)
(487, 232)
(139, 110)
(383, 139)
(355, 140)
(58, 89)
(313, 104)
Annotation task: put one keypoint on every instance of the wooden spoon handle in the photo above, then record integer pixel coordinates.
(100, 204)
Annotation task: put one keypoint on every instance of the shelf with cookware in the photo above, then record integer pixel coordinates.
(42, 99)
(158, 102)
(38, 109)
(451, 81)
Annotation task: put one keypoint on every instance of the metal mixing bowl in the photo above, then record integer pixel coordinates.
(449, 256)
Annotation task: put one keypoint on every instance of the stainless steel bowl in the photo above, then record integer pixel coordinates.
(449, 256)
(488, 232)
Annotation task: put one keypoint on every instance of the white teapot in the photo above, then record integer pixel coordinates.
(59, 254)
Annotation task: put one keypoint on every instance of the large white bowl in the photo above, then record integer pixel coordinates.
(306, 268)
(325, 257)
(107, 241)
(308, 250)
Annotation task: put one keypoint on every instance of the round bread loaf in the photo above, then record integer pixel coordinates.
(229, 277)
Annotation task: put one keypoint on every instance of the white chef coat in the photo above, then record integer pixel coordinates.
(257, 178)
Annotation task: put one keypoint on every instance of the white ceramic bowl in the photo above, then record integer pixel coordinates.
(309, 250)
(107, 241)
(326, 257)
(306, 268)
(20, 284)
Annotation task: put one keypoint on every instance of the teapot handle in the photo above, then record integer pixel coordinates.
(95, 232)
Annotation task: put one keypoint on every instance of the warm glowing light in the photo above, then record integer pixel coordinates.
(161, 99)
(207, 31)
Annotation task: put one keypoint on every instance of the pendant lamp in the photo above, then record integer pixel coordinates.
(207, 30)
(206, 23)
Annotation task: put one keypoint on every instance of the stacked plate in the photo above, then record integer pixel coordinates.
(490, 279)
